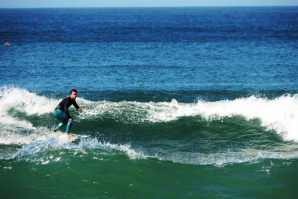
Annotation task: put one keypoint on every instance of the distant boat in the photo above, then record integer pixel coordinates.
(7, 43)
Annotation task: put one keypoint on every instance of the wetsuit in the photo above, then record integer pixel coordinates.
(62, 114)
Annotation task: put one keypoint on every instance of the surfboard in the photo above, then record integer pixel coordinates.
(79, 137)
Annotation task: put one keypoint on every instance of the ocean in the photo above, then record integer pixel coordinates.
(185, 102)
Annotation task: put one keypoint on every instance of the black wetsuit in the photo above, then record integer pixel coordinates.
(65, 104)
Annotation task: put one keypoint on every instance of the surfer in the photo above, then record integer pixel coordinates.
(62, 114)
(7, 43)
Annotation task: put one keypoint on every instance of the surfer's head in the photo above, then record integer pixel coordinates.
(73, 94)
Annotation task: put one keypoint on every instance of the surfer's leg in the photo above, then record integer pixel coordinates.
(59, 126)
(60, 115)
(68, 126)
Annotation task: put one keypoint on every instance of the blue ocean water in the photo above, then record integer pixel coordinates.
(195, 102)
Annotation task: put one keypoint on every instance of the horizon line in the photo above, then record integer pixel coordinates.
(149, 6)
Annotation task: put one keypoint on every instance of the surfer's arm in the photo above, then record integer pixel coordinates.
(77, 106)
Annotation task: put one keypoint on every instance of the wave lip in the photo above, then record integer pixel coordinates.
(25, 101)
(279, 114)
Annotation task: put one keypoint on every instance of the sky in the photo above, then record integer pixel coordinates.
(140, 3)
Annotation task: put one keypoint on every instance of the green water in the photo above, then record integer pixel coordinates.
(80, 175)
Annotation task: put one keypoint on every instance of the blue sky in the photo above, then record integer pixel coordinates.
(141, 3)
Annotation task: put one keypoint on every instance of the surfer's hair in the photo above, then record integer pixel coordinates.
(73, 90)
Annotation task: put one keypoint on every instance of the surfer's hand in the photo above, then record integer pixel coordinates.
(70, 119)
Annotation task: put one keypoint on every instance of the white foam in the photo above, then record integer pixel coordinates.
(17, 137)
(279, 114)
(39, 145)
(25, 101)
(223, 158)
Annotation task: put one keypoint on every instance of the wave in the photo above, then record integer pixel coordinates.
(280, 114)
(245, 129)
